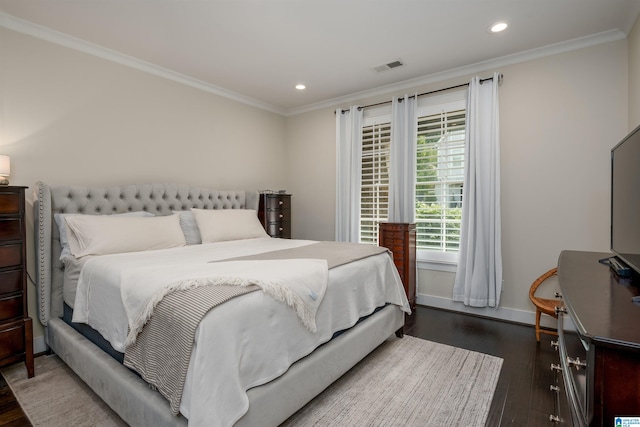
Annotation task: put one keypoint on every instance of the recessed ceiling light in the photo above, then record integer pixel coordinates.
(300, 86)
(498, 27)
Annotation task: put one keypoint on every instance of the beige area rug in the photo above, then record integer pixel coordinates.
(408, 382)
(405, 382)
(56, 397)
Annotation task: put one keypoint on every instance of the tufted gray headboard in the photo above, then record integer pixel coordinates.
(160, 199)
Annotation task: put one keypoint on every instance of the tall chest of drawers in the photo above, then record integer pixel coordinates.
(16, 329)
(275, 214)
(400, 239)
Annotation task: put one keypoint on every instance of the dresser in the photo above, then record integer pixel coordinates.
(275, 214)
(599, 378)
(16, 329)
(400, 239)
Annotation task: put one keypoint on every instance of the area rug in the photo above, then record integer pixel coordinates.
(405, 382)
(408, 382)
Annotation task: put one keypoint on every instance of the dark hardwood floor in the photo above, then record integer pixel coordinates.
(522, 397)
(11, 414)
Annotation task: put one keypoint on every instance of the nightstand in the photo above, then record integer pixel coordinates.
(400, 239)
(16, 328)
(275, 214)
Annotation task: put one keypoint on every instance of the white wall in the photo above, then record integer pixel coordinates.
(67, 117)
(634, 76)
(559, 117)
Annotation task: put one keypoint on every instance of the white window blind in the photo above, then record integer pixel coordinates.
(374, 190)
(439, 179)
(439, 175)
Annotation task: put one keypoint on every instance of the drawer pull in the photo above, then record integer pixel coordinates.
(554, 388)
(558, 295)
(280, 202)
(554, 344)
(555, 419)
(560, 310)
(281, 216)
(555, 367)
(576, 362)
(280, 229)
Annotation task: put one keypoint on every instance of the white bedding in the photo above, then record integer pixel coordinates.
(254, 337)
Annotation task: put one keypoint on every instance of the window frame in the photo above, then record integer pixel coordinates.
(427, 106)
(430, 105)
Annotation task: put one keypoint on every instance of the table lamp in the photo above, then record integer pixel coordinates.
(5, 169)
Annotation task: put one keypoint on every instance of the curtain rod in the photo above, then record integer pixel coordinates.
(429, 93)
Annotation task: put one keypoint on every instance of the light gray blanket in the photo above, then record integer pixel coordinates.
(163, 348)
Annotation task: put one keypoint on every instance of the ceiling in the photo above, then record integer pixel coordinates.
(258, 50)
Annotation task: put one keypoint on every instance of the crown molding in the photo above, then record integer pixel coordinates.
(467, 70)
(26, 27)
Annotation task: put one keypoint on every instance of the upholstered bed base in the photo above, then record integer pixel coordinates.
(120, 388)
(270, 404)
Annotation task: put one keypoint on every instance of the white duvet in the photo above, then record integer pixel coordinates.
(247, 341)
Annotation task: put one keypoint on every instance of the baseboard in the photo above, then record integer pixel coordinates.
(500, 313)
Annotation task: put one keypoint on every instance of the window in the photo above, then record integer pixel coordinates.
(374, 186)
(440, 163)
(439, 178)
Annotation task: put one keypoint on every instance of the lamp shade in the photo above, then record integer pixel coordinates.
(5, 169)
(5, 165)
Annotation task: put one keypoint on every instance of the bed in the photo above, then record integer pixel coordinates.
(276, 386)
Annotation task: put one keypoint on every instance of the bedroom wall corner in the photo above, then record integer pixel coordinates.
(311, 158)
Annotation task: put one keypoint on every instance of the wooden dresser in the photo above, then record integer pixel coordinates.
(600, 378)
(16, 329)
(275, 214)
(400, 239)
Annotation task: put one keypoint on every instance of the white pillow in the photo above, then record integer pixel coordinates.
(62, 227)
(189, 227)
(109, 234)
(219, 225)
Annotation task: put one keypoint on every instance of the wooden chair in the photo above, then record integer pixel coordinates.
(544, 305)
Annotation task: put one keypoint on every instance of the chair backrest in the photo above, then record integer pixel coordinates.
(539, 280)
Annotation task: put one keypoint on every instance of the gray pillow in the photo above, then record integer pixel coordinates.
(189, 227)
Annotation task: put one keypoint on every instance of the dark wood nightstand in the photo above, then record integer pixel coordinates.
(275, 214)
(400, 239)
(16, 328)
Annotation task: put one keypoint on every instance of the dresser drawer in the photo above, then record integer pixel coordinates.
(10, 229)
(9, 203)
(275, 216)
(10, 255)
(279, 229)
(12, 339)
(277, 202)
(10, 281)
(11, 307)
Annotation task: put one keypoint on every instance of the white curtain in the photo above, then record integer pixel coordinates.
(348, 165)
(402, 174)
(478, 281)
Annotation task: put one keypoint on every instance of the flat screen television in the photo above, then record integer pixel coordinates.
(625, 200)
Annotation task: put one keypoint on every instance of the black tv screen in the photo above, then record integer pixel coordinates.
(625, 200)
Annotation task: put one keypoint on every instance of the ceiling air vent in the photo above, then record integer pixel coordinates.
(388, 66)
